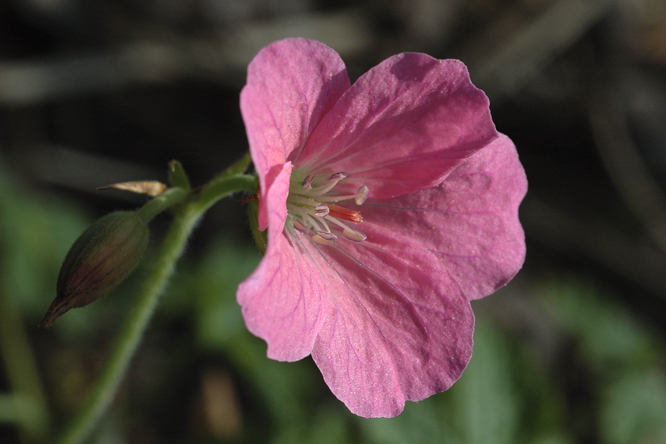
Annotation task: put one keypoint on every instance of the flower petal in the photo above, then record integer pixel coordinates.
(469, 223)
(403, 126)
(403, 326)
(283, 299)
(291, 84)
(397, 333)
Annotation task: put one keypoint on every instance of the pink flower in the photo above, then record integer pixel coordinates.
(390, 204)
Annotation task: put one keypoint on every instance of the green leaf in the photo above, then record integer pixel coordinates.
(238, 167)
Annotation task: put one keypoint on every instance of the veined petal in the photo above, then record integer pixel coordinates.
(467, 225)
(403, 326)
(291, 84)
(402, 126)
(283, 300)
(397, 334)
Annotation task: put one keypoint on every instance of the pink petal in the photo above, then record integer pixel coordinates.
(291, 84)
(403, 126)
(403, 327)
(381, 330)
(398, 334)
(468, 225)
(387, 319)
(283, 299)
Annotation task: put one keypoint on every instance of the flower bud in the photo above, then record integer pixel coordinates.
(100, 259)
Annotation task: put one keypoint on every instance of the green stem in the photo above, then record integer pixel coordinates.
(221, 186)
(164, 201)
(188, 213)
(132, 331)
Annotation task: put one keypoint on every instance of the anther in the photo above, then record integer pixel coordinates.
(338, 176)
(354, 235)
(321, 210)
(327, 236)
(320, 240)
(307, 182)
(300, 227)
(361, 195)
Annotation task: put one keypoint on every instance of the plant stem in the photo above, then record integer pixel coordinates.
(164, 201)
(131, 333)
(221, 186)
(188, 212)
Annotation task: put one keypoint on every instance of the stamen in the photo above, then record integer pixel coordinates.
(316, 223)
(297, 199)
(321, 210)
(312, 209)
(320, 240)
(338, 176)
(354, 235)
(300, 227)
(362, 195)
(331, 182)
(307, 182)
(301, 213)
(327, 236)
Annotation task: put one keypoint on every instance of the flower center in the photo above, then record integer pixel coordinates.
(312, 209)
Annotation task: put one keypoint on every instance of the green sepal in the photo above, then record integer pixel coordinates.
(260, 237)
(178, 176)
(238, 167)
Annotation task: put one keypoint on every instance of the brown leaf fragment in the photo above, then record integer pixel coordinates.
(150, 187)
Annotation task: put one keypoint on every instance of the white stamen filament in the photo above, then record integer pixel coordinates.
(328, 186)
(316, 223)
(299, 199)
(306, 205)
(360, 197)
(337, 222)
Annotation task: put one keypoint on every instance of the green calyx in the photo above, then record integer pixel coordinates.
(260, 237)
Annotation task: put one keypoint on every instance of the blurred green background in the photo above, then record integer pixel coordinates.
(572, 351)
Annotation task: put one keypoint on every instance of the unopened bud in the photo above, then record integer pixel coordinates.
(100, 259)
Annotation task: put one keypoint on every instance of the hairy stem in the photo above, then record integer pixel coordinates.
(164, 201)
(188, 212)
(131, 333)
